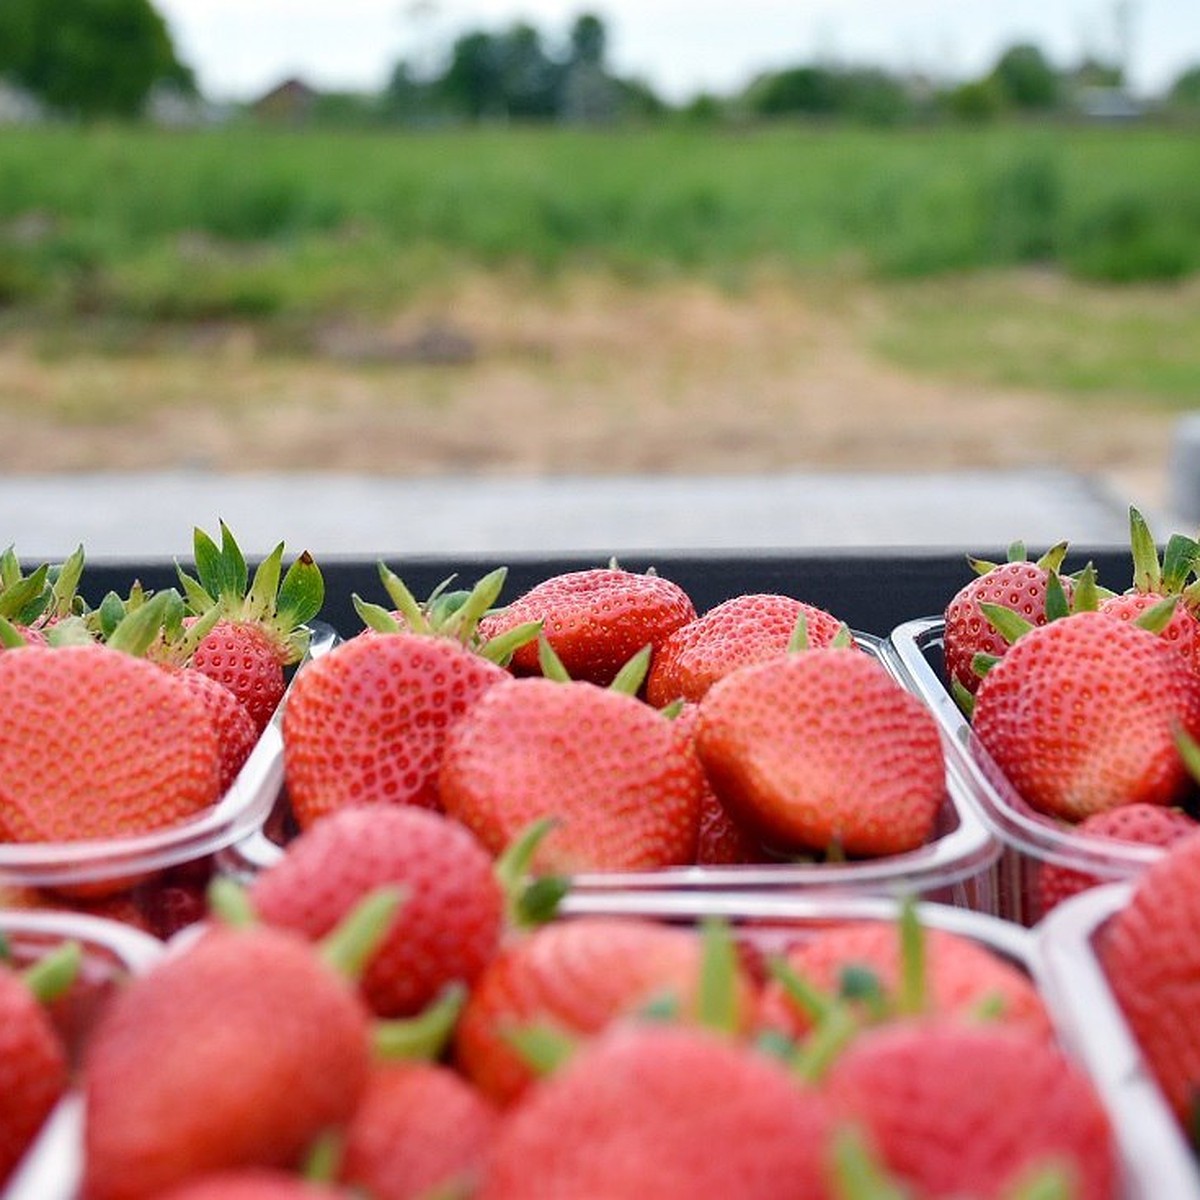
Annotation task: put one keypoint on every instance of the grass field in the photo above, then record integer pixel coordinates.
(270, 223)
(659, 299)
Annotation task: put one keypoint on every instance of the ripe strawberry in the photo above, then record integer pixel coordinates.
(367, 722)
(262, 629)
(33, 1067)
(745, 629)
(236, 732)
(595, 620)
(610, 770)
(666, 1112)
(961, 978)
(237, 1051)
(252, 1183)
(420, 1130)
(1018, 585)
(1081, 714)
(821, 749)
(1150, 951)
(448, 926)
(577, 976)
(1143, 824)
(98, 743)
(955, 1109)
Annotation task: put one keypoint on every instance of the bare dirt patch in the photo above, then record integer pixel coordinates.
(585, 376)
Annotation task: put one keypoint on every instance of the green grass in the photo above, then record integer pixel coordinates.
(240, 222)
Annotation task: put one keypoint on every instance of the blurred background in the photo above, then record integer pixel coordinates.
(255, 254)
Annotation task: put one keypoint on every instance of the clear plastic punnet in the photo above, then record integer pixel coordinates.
(50, 1169)
(956, 866)
(140, 866)
(1032, 842)
(1069, 973)
(1154, 1159)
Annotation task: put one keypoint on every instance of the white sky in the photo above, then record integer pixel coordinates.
(239, 48)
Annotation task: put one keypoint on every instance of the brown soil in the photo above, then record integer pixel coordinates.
(587, 377)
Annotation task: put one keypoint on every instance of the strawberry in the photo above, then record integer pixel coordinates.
(745, 629)
(237, 1051)
(1018, 585)
(667, 1112)
(595, 620)
(1155, 580)
(449, 925)
(367, 723)
(1150, 951)
(954, 1109)
(1081, 716)
(1142, 824)
(236, 732)
(960, 977)
(576, 976)
(98, 743)
(623, 789)
(33, 1062)
(822, 749)
(262, 629)
(419, 1130)
(252, 1183)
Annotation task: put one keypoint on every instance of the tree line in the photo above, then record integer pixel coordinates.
(104, 58)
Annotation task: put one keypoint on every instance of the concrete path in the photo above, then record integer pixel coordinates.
(151, 515)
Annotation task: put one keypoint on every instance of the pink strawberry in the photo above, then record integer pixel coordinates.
(743, 630)
(595, 620)
(1081, 716)
(1018, 585)
(822, 749)
(262, 629)
(449, 925)
(252, 1183)
(1143, 824)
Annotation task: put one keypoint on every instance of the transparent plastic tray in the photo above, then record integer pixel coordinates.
(1070, 976)
(1030, 839)
(1153, 1166)
(243, 808)
(50, 1169)
(957, 865)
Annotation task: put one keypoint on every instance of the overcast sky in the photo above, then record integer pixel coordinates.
(239, 48)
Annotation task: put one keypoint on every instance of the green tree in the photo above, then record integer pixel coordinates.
(1185, 91)
(812, 91)
(89, 57)
(589, 40)
(1026, 78)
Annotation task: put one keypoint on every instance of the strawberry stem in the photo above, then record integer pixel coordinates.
(911, 1000)
(424, 1036)
(54, 974)
(717, 1002)
(349, 947)
(857, 1173)
(543, 1048)
(230, 903)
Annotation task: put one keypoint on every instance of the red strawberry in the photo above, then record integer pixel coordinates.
(595, 620)
(821, 749)
(262, 629)
(962, 978)
(236, 732)
(252, 1183)
(1143, 824)
(665, 1112)
(97, 743)
(237, 1051)
(448, 926)
(1018, 585)
(577, 976)
(1150, 951)
(367, 722)
(745, 629)
(1081, 714)
(33, 1067)
(419, 1130)
(609, 769)
(955, 1109)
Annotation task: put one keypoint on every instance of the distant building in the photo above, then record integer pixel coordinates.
(290, 102)
(17, 106)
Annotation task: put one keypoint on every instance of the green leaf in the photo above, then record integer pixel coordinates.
(375, 616)
(718, 996)
(1053, 559)
(1158, 616)
(503, 646)
(349, 947)
(1008, 624)
(912, 995)
(259, 603)
(799, 636)
(406, 603)
(425, 1036)
(55, 973)
(857, 1172)
(629, 679)
(543, 1047)
(210, 567)
(1179, 560)
(302, 593)
(551, 665)
(138, 629)
(233, 565)
(1085, 596)
(1057, 605)
(1147, 575)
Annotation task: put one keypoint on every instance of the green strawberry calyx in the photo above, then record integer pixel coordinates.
(282, 608)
